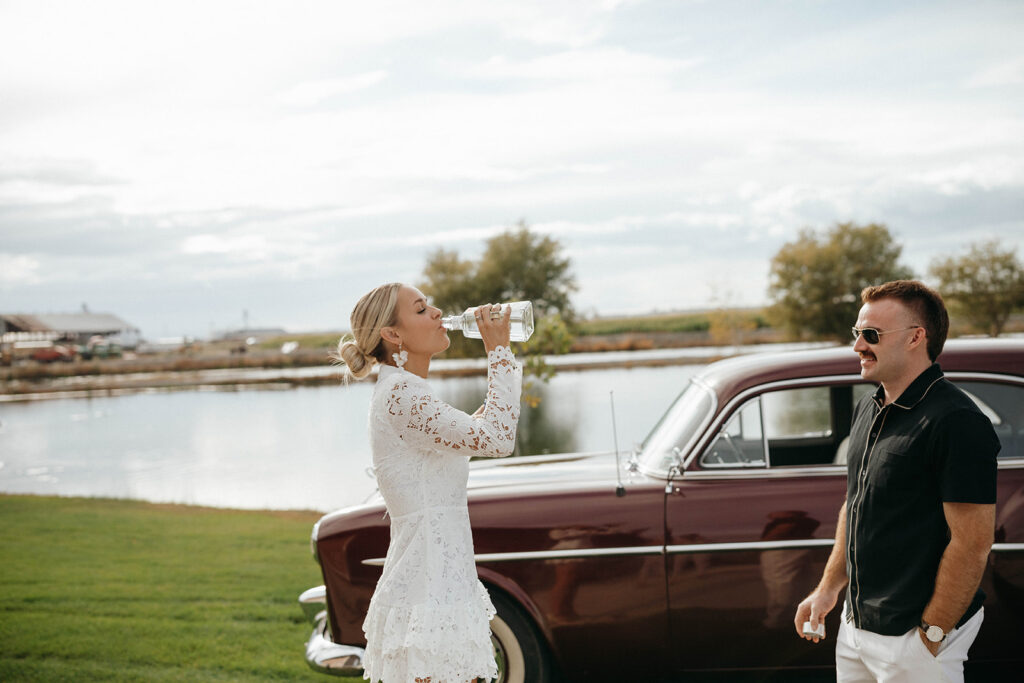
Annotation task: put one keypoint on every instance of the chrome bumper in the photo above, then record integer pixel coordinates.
(322, 653)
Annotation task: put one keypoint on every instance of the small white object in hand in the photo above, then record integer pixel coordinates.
(812, 632)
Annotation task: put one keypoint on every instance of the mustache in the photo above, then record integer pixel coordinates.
(866, 354)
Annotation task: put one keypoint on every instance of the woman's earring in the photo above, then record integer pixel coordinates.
(400, 357)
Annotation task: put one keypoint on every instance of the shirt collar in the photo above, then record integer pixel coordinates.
(917, 390)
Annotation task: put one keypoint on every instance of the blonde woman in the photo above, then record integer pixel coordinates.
(428, 619)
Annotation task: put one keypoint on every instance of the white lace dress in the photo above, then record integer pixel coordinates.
(429, 615)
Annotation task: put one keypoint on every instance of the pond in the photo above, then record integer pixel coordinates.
(295, 448)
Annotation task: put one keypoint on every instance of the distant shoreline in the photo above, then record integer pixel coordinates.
(295, 360)
(222, 379)
(279, 376)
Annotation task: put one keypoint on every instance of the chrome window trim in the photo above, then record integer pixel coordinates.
(811, 471)
(984, 376)
(764, 473)
(743, 396)
(764, 433)
(755, 466)
(649, 550)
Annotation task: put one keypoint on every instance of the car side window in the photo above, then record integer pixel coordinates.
(860, 389)
(799, 426)
(807, 425)
(1003, 404)
(740, 443)
(798, 413)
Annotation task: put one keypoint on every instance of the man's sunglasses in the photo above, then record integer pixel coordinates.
(871, 335)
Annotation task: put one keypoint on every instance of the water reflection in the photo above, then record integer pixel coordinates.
(299, 448)
(547, 428)
(544, 429)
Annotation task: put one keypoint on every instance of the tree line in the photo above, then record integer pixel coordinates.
(814, 283)
(815, 280)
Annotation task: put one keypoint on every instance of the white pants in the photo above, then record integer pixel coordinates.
(869, 657)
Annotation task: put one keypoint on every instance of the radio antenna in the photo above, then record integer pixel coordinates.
(620, 490)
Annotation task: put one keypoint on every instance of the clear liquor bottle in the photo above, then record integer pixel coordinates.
(521, 321)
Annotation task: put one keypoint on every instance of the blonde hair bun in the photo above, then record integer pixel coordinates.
(358, 363)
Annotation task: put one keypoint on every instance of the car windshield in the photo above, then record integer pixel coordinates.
(677, 427)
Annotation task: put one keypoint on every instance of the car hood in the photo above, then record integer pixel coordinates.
(542, 472)
(546, 470)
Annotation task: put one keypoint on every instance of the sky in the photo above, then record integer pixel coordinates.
(192, 166)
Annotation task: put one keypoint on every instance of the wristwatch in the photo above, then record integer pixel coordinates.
(932, 632)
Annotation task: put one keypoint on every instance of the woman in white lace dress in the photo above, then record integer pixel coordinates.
(429, 617)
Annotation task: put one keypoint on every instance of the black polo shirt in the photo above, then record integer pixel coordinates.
(931, 445)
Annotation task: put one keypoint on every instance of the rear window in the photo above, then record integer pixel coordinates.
(1003, 404)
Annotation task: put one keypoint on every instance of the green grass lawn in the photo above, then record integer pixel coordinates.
(668, 322)
(114, 590)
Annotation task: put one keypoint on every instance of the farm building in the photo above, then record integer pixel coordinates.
(78, 328)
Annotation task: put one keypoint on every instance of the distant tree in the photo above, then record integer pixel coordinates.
(450, 281)
(985, 285)
(815, 281)
(516, 265)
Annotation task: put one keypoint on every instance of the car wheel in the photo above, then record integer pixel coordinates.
(521, 654)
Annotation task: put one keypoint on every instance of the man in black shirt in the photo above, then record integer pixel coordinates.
(916, 528)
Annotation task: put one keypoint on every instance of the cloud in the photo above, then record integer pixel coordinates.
(311, 93)
(216, 151)
(573, 23)
(18, 269)
(246, 246)
(599, 64)
(1006, 73)
(54, 172)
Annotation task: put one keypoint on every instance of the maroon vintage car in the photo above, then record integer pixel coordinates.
(723, 522)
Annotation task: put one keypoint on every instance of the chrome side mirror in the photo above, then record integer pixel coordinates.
(633, 466)
(674, 470)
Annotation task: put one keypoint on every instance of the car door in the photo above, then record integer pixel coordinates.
(750, 524)
(1001, 399)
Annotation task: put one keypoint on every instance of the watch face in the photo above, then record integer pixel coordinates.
(934, 634)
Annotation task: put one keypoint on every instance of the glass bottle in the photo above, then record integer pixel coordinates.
(521, 321)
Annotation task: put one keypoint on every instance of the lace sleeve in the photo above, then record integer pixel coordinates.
(429, 423)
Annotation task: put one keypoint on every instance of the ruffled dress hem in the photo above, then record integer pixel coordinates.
(447, 643)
